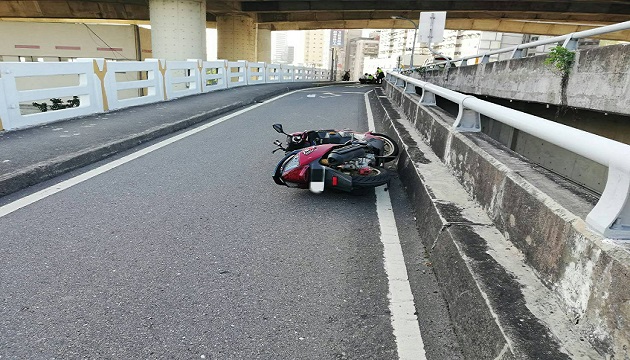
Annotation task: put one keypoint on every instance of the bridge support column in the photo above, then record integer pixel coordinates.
(178, 29)
(236, 38)
(263, 43)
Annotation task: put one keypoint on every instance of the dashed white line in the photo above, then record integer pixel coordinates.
(403, 313)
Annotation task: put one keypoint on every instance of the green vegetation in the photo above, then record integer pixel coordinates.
(561, 59)
(58, 104)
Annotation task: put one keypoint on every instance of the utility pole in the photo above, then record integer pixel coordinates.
(415, 33)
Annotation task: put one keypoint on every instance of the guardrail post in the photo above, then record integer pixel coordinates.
(427, 98)
(570, 43)
(517, 54)
(467, 120)
(611, 216)
(410, 88)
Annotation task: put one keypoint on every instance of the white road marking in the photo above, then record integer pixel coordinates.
(404, 320)
(29, 199)
(311, 95)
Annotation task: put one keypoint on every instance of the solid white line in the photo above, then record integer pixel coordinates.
(403, 312)
(27, 200)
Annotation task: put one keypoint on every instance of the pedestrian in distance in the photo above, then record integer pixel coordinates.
(380, 75)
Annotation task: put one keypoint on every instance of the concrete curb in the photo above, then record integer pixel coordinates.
(489, 308)
(36, 173)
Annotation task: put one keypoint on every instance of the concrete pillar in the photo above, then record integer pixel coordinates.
(178, 29)
(236, 38)
(263, 44)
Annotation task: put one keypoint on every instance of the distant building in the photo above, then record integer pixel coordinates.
(280, 53)
(396, 42)
(315, 52)
(459, 43)
(360, 49)
(339, 40)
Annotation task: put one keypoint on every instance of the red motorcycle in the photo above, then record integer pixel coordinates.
(330, 159)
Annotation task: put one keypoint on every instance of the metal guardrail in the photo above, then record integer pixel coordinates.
(569, 41)
(611, 215)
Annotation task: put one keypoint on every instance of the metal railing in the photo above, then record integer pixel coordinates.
(611, 215)
(569, 41)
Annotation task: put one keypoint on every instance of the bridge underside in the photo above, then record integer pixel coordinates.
(525, 16)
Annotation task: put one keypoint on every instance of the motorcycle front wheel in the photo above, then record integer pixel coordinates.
(377, 176)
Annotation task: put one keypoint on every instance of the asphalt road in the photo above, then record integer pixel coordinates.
(192, 251)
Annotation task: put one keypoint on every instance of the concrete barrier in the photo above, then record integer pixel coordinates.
(213, 75)
(237, 73)
(82, 82)
(101, 85)
(113, 86)
(598, 80)
(182, 78)
(256, 73)
(535, 215)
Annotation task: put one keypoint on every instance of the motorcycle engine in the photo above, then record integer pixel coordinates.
(358, 163)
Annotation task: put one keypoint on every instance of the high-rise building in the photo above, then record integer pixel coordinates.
(459, 43)
(280, 53)
(290, 54)
(315, 52)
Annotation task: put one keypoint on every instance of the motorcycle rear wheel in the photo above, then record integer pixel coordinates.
(390, 149)
(378, 176)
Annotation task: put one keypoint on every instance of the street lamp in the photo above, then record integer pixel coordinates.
(415, 31)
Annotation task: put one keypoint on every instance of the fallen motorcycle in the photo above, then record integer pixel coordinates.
(330, 159)
(303, 139)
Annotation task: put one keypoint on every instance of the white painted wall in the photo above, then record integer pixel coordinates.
(55, 41)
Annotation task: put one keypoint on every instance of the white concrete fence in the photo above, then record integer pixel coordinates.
(103, 85)
(611, 216)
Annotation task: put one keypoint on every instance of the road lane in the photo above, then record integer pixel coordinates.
(192, 251)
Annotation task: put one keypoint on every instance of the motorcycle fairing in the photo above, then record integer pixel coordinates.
(277, 174)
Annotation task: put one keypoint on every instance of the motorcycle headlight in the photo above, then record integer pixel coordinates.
(291, 163)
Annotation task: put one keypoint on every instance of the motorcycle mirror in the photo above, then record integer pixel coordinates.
(278, 128)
